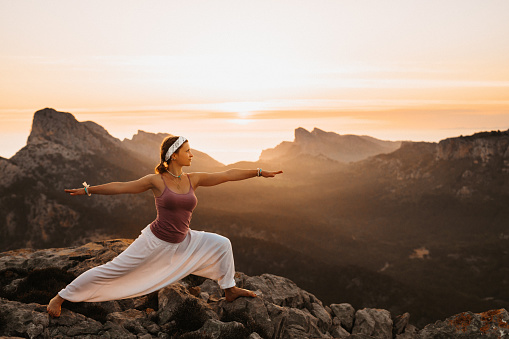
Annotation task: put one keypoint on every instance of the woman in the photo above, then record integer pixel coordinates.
(167, 250)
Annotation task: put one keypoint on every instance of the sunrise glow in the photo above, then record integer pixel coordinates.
(241, 76)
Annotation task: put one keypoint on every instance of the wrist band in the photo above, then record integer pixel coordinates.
(259, 174)
(86, 188)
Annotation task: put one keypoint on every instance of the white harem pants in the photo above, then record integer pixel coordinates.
(150, 264)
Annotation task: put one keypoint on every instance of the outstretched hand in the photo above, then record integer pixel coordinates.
(76, 191)
(270, 174)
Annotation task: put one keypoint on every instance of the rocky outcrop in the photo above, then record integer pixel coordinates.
(195, 307)
(473, 167)
(490, 324)
(318, 143)
(481, 147)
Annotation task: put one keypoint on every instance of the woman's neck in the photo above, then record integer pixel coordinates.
(175, 169)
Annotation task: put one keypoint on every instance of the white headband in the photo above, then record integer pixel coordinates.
(174, 147)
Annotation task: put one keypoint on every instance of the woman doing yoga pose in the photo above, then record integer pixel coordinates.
(167, 250)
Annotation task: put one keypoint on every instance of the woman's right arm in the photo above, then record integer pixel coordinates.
(129, 187)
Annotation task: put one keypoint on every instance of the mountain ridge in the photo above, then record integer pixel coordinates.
(342, 148)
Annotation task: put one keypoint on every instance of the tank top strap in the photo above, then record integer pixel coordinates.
(190, 185)
(163, 181)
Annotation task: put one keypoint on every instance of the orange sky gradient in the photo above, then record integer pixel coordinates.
(237, 77)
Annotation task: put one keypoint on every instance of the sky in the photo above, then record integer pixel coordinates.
(237, 77)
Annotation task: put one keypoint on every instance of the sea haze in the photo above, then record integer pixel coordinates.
(417, 227)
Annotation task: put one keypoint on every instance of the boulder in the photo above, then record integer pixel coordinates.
(134, 321)
(490, 324)
(345, 313)
(400, 323)
(76, 259)
(251, 312)
(216, 329)
(169, 299)
(18, 319)
(324, 318)
(411, 332)
(373, 322)
(339, 332)
(281, 291)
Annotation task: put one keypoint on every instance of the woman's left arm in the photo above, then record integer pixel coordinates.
(212, 179)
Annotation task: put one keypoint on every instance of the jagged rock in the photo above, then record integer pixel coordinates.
(339, 332)
(170, 298)
(324, 318)
(32, 321)
(133, 320)
(482, 146)
(301, 324)
(491, 324)
(77, 259)
(204, 296)
(212, 289)
(281, 291)
(345, 313)
(374, 322)
(9, 172)
(411, 332)
(400, 323)
(253, 309)
(20, 319)
(216, 329)
(72, 324)
(113, 330)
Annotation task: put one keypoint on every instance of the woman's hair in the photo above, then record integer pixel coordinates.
(167, 142)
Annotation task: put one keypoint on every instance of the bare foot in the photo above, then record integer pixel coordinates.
(55, 306)
(234, 292)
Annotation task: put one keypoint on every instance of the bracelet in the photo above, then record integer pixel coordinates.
(259, 174)
(86, 188)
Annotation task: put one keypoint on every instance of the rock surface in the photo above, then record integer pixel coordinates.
(195, 308)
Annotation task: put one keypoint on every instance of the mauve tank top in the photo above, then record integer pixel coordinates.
(174, 212)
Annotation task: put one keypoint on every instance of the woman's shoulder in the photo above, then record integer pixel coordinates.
(152, 177)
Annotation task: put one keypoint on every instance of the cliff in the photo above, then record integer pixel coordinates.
(195, 307)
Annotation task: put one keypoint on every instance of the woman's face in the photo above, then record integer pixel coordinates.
(184, 156)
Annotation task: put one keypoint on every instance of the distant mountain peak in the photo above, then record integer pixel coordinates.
(302, 134)
(52, 126)
(143, 135)
(47, 122)
(318, 132)
(330, 145)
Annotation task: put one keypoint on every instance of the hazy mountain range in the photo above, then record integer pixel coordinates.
(412, 226)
